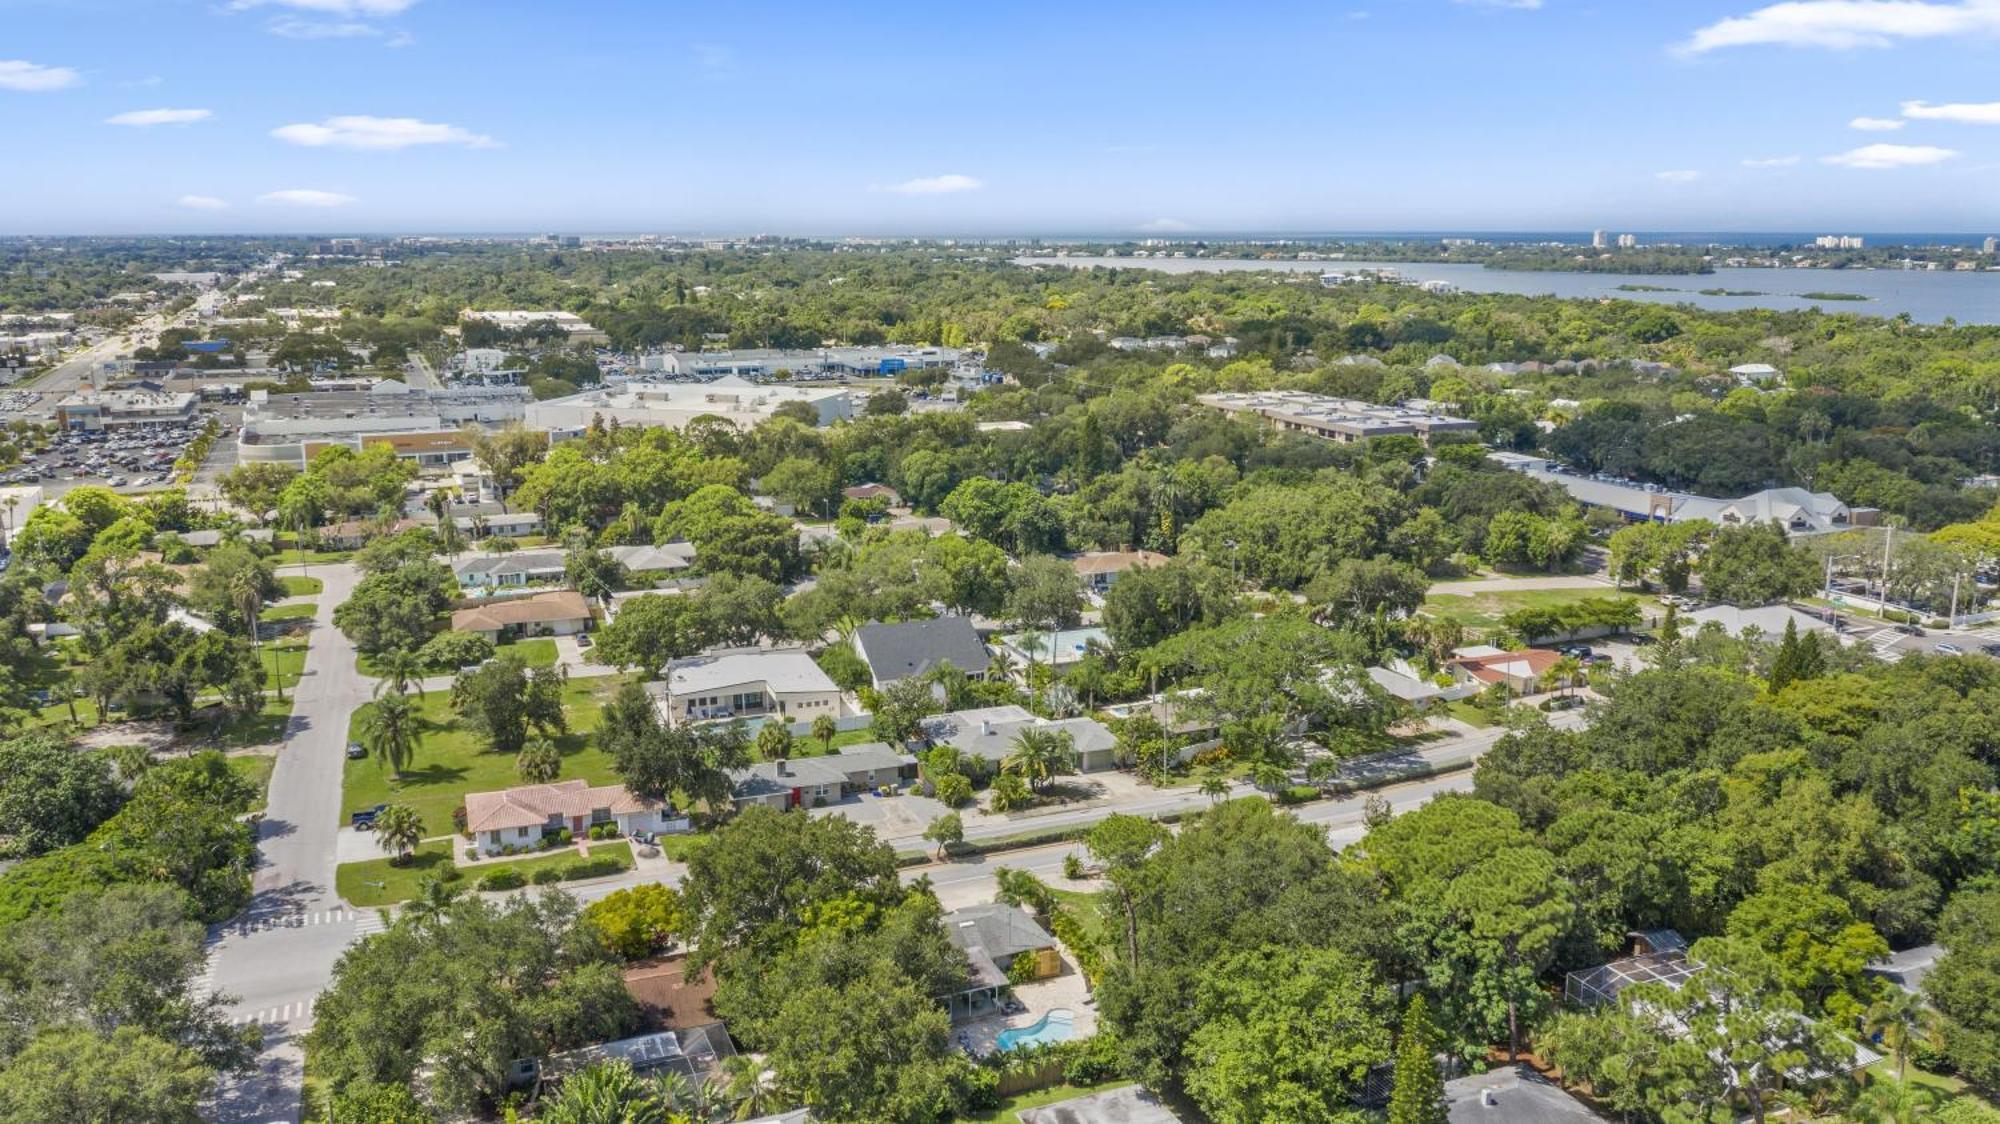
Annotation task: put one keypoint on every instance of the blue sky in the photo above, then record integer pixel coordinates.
(1022, 116)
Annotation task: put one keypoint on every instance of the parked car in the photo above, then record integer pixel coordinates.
(1576, 651)
(356, 751)
(1908, 629)
(364, 820)
(1948, 649)
(583, 640)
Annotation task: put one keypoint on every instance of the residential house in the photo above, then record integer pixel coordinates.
(664, 558)
(1401, 681)
(745, 683)
(519, 817)
(811, 782)
(357, 533)
(913, 648)
(559, 613)
(873, 492)
(513, 568)
(992, 936)
(988, 733)
(1100, 568)
(1754, 374)
(1519, 671)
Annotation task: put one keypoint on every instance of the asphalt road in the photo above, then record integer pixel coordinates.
(277, 956)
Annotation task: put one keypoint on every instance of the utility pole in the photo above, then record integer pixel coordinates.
(1888, 546)
(1953, 619)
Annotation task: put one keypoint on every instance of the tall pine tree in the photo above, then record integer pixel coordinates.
(1785, 665)
(1419, 1094)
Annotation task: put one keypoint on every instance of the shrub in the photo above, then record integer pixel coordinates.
(1091, 1061)
(449, 651)
(1073, 867)
(458, 821)
(591, 868)
(1220, 755)
(564, 837)
(1297, 794)
(450, 874)
(502, 880)
(1024, 968)
(546, 876)
(953, 790)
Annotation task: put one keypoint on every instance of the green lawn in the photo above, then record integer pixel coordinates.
(538, 651)
(449, 762)
(294, 556)
(1088, 909)
(382, 882)
(1480, 611)
(296, 586)
(300, 611)
(1466, 712)
(1010, 1108)
(262, 728)
(255, 768)
(283, 662)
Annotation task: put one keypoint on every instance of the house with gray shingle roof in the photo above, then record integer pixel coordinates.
(914, 648)
(988, 733)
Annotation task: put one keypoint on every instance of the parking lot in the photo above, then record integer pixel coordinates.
(121, 459)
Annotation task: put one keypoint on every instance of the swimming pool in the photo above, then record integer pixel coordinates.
(1057, 1025)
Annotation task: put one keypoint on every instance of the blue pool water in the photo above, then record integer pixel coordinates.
(1058, 1025)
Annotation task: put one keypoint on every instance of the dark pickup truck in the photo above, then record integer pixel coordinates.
(364, 820)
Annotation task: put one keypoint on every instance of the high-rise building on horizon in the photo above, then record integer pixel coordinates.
(1992, 245)
(1597, 240)
(1627, 241)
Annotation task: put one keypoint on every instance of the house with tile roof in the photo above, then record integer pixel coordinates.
(562, 612)
(519, 817)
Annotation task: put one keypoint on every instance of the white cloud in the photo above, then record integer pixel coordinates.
(1847, 24)
(344, 8)
(1891, 156)
(289, 27)
(144, 118)
(378, 134)
(1771, 162)
(1165, 226)
(202, 203)
(936, 185)
(1875, 124)
(1682, 175)
(306, 197)
(27, 77)
(1964, 113)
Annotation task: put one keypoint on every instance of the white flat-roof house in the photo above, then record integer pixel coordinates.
(519, 567)
(1344, 420)
(1798, 511)
(746, 683)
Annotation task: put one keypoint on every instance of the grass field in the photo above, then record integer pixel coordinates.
(301, 611)
(255, 768)
(283, 662)
(1481, 611)
(381, 882)
(449, 762)
(538, 651)
(1010, 1108)
(296, 586)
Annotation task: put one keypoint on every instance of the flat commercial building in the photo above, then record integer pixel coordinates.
(424, 426)
(825, 362)
(90, 409)
(1797, 510)
(513, 320)
(1345, 420)
(741, 403)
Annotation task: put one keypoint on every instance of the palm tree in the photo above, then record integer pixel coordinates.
(1562, 674)
(1903, 1021)
(246, 589)
(1896, 1102)
(398, 830)
(400, 670)
(1214, 785)
(774, 741)
(1002, 665)
(390, 729)
(824, 729)
(434, 897)
(687, 1099)
(1040, 755)
(540, 761)
(605, 1093)
(748, 1087)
